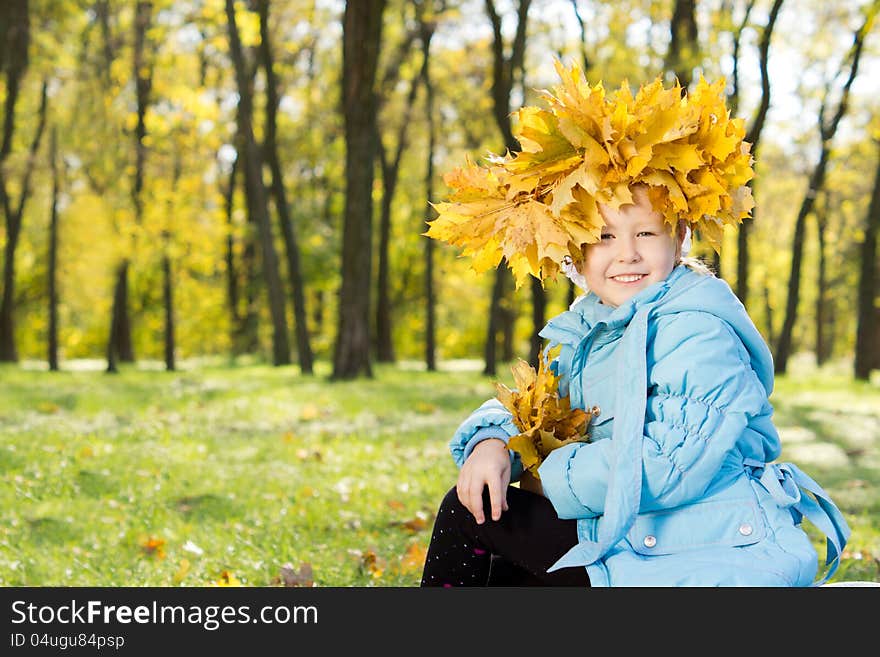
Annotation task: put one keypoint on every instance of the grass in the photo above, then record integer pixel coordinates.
(251, 474)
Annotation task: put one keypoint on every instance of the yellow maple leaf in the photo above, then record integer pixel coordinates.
(545, 420)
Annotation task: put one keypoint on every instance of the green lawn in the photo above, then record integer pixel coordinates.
(252, 474)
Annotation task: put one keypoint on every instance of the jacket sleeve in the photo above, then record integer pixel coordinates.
(490, 420)
(702, 394)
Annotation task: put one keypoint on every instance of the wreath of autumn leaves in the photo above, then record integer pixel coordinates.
(536, 206)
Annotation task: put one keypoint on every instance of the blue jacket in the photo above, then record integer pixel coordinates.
(678, 484)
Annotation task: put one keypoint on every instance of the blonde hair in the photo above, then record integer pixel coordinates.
(696, 265)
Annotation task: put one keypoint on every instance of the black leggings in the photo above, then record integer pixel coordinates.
(515, 550)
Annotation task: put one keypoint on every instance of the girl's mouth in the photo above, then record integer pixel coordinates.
(628, 278)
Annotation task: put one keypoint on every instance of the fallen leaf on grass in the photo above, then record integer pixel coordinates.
(305, 454)
(414, 558)
(309, 412)
(227, 579)
(181, 572)
(416, 524)
(291, 577)
(154, 547)
(372, 564)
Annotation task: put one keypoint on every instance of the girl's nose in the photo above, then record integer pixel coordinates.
(627, 251)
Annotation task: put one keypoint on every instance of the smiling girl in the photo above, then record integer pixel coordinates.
(678, 484)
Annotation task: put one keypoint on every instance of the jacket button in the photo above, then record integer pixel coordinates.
(745, 529)
(650, 541)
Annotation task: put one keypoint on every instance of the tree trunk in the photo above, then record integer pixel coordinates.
(168, 298)
(539, 309)
(504, 71)
(14, 222)
(232, 293)
(118, 317)
(494, 320)
(122, 338)
(817, 180)
(291, 244)
(256, 196)
(783, 348)
(249, 337)
(771, 336)
(821, 288)
(427, 32)
(754, 137)
(508, 319)
(586, 64)
(143, 78)
(683, 51)
(362, 35)
(867, 348)
(15, 34)
(167, 276)
(390, 171)
(384, 341)
(390, 77)
(52, 342)
(318, 311)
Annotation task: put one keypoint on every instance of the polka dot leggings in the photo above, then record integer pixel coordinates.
(515, 550)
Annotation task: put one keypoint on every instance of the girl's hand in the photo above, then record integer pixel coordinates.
(488, 465)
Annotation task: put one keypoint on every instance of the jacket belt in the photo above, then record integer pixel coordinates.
(785, 483)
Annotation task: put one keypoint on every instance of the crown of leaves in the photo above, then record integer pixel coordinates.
(538, 205)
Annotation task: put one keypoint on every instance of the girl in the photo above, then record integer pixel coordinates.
(677, 485)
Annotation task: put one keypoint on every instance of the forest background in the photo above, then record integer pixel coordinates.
(134, 231)
(197, 183)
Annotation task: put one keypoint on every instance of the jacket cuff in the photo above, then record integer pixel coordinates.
(482, 434)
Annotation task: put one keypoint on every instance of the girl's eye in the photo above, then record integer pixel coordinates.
(646, 232)
(606, 236)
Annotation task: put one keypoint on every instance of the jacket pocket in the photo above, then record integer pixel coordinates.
(728, 523)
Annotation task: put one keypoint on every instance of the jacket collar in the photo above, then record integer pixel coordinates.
(589, 312)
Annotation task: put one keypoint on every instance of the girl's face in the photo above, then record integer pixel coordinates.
(635, 251)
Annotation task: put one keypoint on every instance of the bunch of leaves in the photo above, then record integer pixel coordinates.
(536, 206)
(546, 421)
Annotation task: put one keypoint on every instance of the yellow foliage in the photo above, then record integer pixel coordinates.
(536, 206)
(546, 420)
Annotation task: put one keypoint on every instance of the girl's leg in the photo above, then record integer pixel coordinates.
(529, 537)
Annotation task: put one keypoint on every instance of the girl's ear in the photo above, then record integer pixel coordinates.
(680, 233)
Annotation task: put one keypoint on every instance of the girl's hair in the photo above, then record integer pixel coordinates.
(696, 264)
(682, 233)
